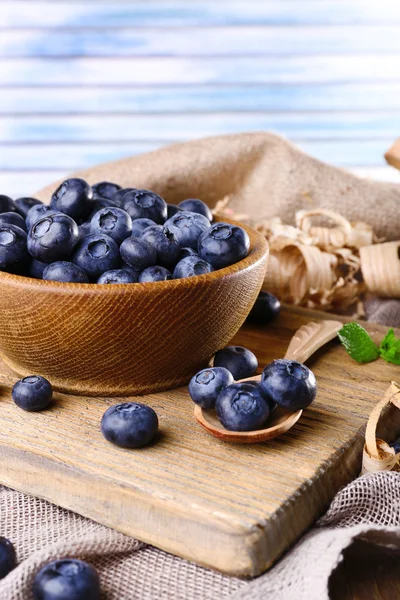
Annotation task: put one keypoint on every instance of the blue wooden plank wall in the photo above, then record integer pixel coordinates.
(85, 81)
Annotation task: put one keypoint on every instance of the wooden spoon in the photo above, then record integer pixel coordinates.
(307, 340)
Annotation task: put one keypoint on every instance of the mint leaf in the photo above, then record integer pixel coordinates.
(389, 348)
(358, 343)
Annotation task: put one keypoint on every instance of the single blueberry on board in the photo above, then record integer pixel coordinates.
(8, 559)
(53, 238)
(37, 212)
(23, 205)
(119, 276)
(65, 271)
(105, 189)
(14, 218)
(33, 393)
(242, 407)
(187, 228)
(264, 310)
(145, 204)
(129, 425)
(73, 198)
(240, 361)
(139, 225)
(172, 209)
(223, 245)
(96, 254)
(7, 204)
(165, 244)
(67, 579)
(138, 253)
(289, 384)
(112, 221)
(155, 273)
(205, 386)
(190, 267)
(36, 268)
(196, 206)
(13, 250)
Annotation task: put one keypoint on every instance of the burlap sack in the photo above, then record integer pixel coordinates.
(265, 176)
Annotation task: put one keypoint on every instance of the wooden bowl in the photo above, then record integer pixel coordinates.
(125, 339)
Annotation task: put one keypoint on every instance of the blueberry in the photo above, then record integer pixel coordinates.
(139, 225)
(239, 361)
(205, 386)
(155, 273)
(119, 196)
(134, 273)
(129, 425)
(8, 559)
(196, 206)
(112, 221)
(7, 204)
(23, 205)
(138, 253)
(14, 218)
(172, 209)
(265, 309)
(96, 254)
(185, 252)
(165, 244)
(289, 384)
(97, 205)
(67, 579)
(242, 407)
(84, 229)
(105, 189)
(37, 212)
(190, 267)
(119, 276)
(13, 251)
(72, 197)
(53, 238)
(187, 227)
(36, 268)
(66, 272)
(145, 204)
(223, 245)
(33, 393)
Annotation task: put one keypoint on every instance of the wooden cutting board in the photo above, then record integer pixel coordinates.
(231, 508)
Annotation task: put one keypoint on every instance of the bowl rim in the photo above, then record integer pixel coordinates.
(259, 250)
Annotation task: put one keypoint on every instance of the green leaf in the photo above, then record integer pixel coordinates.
(358, 343)
(389, 348)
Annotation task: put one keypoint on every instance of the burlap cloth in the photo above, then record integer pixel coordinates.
(264, 176)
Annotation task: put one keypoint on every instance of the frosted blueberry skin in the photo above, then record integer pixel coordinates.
(139, 225)
(52, 238)
(64, 271)
(156, 273)
(118, 276)
(33, 393)
(7, 204)
(38, 211)
(289, 384)
(185, 252)
(266, 308)
(13, 218)
(145, 204)
(67, 579)
(73, 198)
(240, 361)
(13, 250)
(36, 268)
(165, 244)
(205, 386)
(242, 407)
(129, 425)
(187, 227)
(118, 198)
(138, 253)
(96, 254)
(190, 267)
(84, 229)
(23, 205)
(8, 559)
(112, 221)
(223, 245)
(105, 189)
(197, 206)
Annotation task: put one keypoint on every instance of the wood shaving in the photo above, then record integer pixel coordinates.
(316, 263)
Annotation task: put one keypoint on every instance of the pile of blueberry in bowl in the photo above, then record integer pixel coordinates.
(107, 235)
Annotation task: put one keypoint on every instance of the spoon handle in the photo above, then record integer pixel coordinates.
(309, 338)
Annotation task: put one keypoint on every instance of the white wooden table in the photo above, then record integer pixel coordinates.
(84, 81)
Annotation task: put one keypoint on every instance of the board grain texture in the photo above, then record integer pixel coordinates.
(229, 507)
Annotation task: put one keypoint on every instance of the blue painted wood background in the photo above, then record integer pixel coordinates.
(85, 81)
